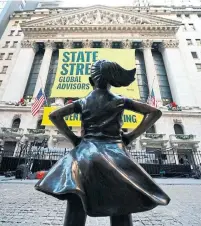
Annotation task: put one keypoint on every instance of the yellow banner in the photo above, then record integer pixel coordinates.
(130, 119)
(74, 66)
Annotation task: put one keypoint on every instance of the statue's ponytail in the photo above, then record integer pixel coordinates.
(104, 72)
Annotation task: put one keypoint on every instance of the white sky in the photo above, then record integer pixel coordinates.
(78, 3)
(74, 3)
(98, 2)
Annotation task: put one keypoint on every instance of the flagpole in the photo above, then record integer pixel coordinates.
(148, 86)
(43, 90)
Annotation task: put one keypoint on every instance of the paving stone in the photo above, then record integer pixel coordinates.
(21, 204)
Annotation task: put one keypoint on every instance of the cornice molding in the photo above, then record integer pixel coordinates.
(115, 14)
(100, 19)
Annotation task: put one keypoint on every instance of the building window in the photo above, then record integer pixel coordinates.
(39, 126)
(77, 45)
(97, 45)
(10, 55)
(19, 33)
(191, 26)
(198, 41)
(178, 15)
(51, 73)
(199, 15)
(178, 129)
(16, 123)
(0, 82)
(14, 44)
(16, 23)
(2, 56)
(9, 148)
(116, 45)
(198, 67)
(194, 55)
(189, 42)
(162, 78)
(11, 33)
(6, 44)
(187, 15)
(183, 27)
(151, 130)
(4, 69)
(141, 76)
(33, 76)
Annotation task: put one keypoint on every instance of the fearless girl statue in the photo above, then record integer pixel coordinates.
(98, 178)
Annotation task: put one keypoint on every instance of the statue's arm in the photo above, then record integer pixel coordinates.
(57, 117)
(151, 115)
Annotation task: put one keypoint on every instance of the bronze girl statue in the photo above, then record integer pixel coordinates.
(97, 177)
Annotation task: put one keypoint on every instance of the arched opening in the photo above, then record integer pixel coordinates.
(39, 125)
(16, 123)
(151, 130)
(178, 129)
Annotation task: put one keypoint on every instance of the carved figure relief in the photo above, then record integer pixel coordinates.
(97, 17)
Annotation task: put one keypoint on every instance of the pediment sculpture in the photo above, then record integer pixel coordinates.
(96, 17)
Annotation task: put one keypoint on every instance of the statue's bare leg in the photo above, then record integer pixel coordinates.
(75, 214)
(121, 220)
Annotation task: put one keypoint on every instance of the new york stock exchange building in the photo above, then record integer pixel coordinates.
(167, 46)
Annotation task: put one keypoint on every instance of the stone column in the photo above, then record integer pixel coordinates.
(20, 73)
(127, 44)
(107, 44)
(68, 44)
(151, 70)
(59, 101)
(87, 43)
(179, 83)
(44, 69)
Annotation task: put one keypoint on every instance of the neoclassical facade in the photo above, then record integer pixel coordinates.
(32, 40)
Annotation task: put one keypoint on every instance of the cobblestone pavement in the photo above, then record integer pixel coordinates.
(21, 205)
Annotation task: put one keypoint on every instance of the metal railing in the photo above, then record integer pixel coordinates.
(168, 162)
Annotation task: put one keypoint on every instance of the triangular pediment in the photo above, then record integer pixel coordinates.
(100, 15)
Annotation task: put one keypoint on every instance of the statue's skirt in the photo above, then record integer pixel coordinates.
(105, 178)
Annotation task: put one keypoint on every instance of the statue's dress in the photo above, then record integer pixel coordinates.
(99, 170)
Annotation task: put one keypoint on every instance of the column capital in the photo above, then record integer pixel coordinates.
(127, 44)
(50, 45)
(170, 43)
(146, 43)
(107, 43)
(68, 44)
(87, 43)
(29, 44)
